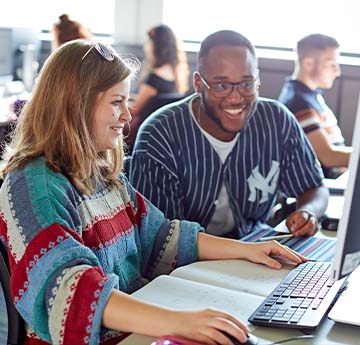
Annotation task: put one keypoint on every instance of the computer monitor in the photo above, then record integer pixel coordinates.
(347, 255)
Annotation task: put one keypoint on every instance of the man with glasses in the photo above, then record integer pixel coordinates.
(220, 156)
(317, 68)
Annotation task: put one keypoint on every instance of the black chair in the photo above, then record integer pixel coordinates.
(154, 103)
(157, 102)
(16, 329)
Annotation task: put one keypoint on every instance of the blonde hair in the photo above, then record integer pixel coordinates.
(57, 121)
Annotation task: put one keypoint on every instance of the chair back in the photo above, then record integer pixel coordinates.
(157, 102)
(11, 324)
(154, 103)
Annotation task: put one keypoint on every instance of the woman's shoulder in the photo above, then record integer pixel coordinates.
(36, 176)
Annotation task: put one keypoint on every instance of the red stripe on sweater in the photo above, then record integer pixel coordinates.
(141, 208)
(79, 314)
(106, 231)
(41, 244)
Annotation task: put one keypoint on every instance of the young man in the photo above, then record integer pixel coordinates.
(221, 155)
(316, 69)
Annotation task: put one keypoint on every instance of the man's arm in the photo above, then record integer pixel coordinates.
(311, 205)
(158, 184)
(329, 155)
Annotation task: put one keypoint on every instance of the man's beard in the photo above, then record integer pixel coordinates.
(211, 114)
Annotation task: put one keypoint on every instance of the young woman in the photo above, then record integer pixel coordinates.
(166, 71)
(80, 238)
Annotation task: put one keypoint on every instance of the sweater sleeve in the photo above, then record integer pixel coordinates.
(57, 283)
(165, 244)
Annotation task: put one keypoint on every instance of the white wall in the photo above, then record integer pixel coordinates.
(133, 18)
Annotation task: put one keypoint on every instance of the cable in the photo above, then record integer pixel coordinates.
(299, 337)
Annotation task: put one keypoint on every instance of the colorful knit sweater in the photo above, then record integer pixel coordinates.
(68, 251)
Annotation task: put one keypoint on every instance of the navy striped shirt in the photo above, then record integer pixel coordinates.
(175, 166)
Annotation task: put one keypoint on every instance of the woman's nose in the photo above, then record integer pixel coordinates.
(125, 115)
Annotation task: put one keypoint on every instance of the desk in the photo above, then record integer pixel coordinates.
(328, 333)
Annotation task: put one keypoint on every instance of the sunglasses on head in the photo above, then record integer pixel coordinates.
(106, 51)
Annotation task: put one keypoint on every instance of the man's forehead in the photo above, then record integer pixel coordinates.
(225, 55)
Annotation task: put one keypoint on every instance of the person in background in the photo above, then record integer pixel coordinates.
(316, 68)
(221, 156)
(66, 30)
(80, 238)
(166, 71)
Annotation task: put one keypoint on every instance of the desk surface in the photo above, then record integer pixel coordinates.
(328, 332)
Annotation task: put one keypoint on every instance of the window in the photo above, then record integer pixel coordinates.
(98, 16)
(267, 23)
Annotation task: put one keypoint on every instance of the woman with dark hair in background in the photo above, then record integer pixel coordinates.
(66, 30)
(166, 71)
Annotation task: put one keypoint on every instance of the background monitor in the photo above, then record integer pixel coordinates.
(6, 55)
(347, 255)
(19, 50)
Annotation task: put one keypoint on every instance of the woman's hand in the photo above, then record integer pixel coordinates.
(217, 248)
(264, 253)
(207, 326)
(128, 314)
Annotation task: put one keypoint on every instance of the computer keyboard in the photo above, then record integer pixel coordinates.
(302, 298)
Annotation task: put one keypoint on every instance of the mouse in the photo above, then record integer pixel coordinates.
(251, 339)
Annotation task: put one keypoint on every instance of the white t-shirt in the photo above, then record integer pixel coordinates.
(223, 219)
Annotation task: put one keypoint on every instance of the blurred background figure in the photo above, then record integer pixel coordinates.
(66, 30)
(165, 76)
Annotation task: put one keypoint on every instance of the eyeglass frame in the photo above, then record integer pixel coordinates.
(238, 84)
(106, 51)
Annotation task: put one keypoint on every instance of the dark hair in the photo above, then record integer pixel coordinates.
(315, 43)
(223, 38)
(165, 46)
(66, 30)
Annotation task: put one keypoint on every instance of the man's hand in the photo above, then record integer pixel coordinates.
(302, 223)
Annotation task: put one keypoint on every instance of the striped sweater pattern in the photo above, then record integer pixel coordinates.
(68, 251)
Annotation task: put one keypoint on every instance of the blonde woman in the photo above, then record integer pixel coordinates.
(80, 238)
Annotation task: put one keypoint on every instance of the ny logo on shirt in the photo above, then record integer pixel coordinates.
(266, 185)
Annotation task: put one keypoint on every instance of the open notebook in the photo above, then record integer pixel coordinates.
(229, 285)
(234, 286)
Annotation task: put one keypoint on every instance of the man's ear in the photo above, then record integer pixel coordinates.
(197, 82)
(308, 63)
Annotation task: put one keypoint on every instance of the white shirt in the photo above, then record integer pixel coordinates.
(222, 220)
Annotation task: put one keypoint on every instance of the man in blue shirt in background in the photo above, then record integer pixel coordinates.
(316, 69)
(220, 156)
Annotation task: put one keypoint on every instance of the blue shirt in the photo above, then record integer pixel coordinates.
(175, 166)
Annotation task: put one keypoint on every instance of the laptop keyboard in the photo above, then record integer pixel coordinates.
(301, 300)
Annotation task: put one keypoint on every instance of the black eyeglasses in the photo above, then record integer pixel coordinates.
(106, 51)
(225, 88)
